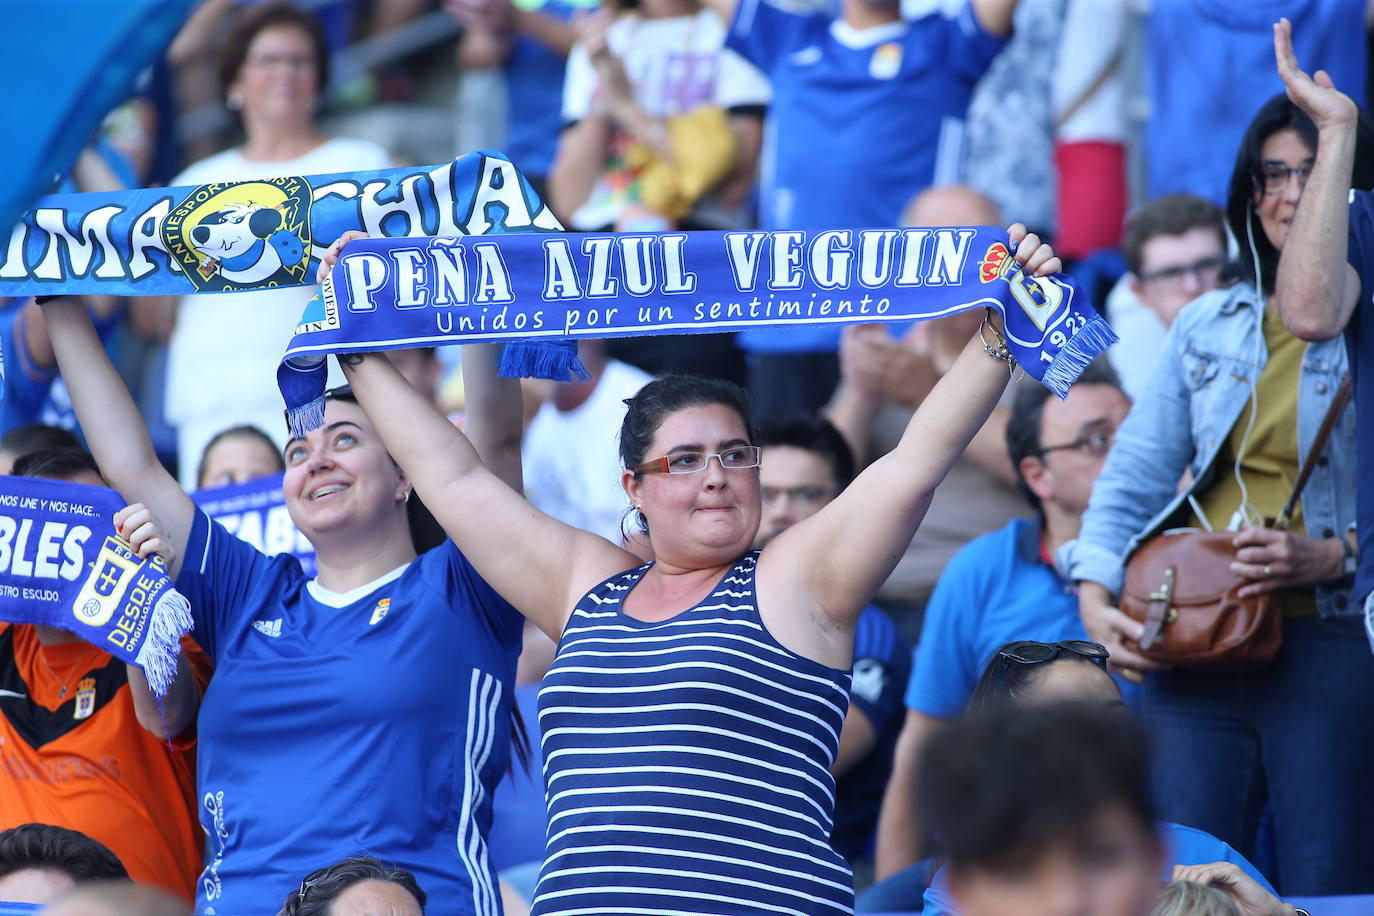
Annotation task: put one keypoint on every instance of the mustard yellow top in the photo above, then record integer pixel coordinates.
(1269, 464)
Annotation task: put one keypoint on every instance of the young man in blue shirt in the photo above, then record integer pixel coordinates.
(1326, 273)
(1002, 586)
(868, 109)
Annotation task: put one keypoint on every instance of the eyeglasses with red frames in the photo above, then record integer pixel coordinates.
(732, 459)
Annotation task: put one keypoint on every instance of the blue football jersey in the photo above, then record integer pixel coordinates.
(376, 722)
(861, 120)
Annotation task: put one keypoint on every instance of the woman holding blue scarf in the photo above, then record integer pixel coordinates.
(365, 710)
(1235, 401)
(693, 708)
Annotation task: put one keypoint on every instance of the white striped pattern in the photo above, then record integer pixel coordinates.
(484, 697)
(687, 763)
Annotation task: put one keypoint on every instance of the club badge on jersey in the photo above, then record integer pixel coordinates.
(886, 61)
(85, 698)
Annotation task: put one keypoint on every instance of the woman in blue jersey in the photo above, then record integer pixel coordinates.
(694, 706)
(366, 710)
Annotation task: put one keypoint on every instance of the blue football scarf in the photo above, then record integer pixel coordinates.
(63, 565)
(395, 293)
(255, 511)
(249, 235)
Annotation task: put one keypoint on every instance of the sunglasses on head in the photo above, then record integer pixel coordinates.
(1031, 652)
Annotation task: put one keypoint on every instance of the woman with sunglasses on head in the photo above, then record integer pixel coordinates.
(1236, 402)
(694, 706)
(368, 708)
(1029, 673)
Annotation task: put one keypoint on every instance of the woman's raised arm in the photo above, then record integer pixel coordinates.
(113, 426)
(538, 564)
(835, 561)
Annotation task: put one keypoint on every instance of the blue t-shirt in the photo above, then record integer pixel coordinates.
(519, 816)
(995, 590)
(534, 91)
(26, 385)
(1210, 65)
(32, 393)
(861, 121)
(374, 722)
(1359, 339)
(1182, 846)
(882, 663)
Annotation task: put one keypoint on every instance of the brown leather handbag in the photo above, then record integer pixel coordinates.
(1180, 585)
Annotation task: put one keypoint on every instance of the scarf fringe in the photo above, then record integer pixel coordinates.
(170, 620)
(548, 359)
(1084, 347)
(305, 417)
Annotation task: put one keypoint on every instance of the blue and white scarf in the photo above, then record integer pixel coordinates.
(255, 512)
(62, 565)
(396, 293)
(247, 235)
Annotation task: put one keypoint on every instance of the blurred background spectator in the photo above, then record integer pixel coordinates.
(40, 862)
(1002, 586)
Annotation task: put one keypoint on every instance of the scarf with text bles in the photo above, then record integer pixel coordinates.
(397, 293)
(269, 233)
(62, 565)
(255, 511)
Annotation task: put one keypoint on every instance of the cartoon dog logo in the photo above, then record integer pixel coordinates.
(247, 235)
(244, 243)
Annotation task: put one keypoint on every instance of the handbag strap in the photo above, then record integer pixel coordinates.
(1333, 413)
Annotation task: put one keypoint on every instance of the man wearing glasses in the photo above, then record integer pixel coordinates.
(1175, 250)
(999, 588)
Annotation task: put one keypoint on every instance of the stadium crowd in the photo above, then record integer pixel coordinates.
(803, 621)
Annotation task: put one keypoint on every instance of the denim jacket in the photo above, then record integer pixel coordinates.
(1199, 391)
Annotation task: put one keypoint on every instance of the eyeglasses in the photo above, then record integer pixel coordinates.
(735, 459)
(1030, 652)
(806, 494)
(1094, 444)
(1207, 272)
(1274, 176)
(272, 61)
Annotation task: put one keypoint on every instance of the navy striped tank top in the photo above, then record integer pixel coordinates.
(687, 763)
